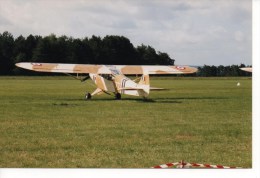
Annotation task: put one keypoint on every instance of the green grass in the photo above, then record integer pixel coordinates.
(45, 122)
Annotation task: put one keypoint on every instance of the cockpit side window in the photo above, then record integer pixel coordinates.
(107, 76)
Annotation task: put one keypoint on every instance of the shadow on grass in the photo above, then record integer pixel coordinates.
(64, 104)
(200, 98)
(141, 100)
(176, 100)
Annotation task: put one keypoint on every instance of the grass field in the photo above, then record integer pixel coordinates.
(45, 122)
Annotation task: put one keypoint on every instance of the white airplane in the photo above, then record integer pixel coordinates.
(111, 79)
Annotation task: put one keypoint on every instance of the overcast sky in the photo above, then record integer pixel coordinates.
(193, 32)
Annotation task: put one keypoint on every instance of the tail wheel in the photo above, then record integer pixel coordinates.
(118, 96)
(88, 96)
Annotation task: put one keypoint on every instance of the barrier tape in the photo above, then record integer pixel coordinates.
(182, 164)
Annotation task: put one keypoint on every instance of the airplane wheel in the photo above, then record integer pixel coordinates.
(118, 96)
(88, 96)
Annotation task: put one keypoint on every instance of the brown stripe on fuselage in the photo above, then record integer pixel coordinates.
(86, 68)
(132, 70)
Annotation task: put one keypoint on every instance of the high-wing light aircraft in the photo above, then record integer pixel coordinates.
(111, 79)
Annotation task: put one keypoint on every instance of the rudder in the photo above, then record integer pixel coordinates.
(145, 84)
(145, 80)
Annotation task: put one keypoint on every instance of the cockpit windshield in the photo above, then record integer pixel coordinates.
(114, 70)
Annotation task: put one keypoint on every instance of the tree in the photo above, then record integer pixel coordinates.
(212, 71)
(96, 46)
(52, 49)
(221, 70)
(147, 55)
(118, 50)
(164, 59)
(6, 53)
(19, 53)
(80, 51)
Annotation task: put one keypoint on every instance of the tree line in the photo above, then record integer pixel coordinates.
(95, 50)
(222, 71)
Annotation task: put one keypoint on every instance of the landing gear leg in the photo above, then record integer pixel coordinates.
(118, 96)
(88, 96)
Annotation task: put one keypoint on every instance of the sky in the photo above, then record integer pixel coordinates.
(193, 32)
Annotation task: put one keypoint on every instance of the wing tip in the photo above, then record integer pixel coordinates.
(24, 65)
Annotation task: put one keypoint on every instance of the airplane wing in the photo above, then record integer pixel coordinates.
(247, 69)
(105, 69)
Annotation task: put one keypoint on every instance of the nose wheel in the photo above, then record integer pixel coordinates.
(88, 96)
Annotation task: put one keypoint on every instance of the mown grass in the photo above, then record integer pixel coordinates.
(45, 122)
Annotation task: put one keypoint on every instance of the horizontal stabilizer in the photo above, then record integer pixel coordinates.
(154, 88)
(131, 88)
(140, 88)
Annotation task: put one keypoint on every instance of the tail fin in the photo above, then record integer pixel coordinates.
(145, 82)
(145, 79)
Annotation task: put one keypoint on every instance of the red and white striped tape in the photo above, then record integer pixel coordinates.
(182, 164)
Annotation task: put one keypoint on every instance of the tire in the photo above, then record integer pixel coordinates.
(88, 96)
(118, 96)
